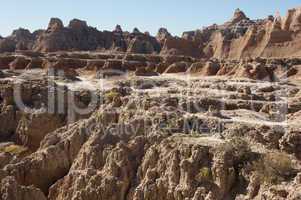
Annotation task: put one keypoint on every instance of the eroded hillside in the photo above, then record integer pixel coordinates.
(92, 115)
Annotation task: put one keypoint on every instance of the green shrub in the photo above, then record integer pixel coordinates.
(110, 96)
(204, 174)
(274, 168)
(241, 148)
(14, 149)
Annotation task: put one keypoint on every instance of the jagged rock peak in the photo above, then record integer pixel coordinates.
(277, 21)
(77, 24)
(163, 34)
(136, 31)
(271, 18)
(292, 21)
(55, 24)
(238, 16)
(163, 31)
(118, 29)
(21, 32)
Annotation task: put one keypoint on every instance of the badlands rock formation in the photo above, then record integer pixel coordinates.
(195, 135)
(238, 38)
(91, 115)
(78, 36)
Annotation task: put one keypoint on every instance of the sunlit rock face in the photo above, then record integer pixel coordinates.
(211, 115)
(240, 37)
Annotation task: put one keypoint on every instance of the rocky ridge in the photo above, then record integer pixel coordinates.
(238, 38)
(106, 115)
(158, 136)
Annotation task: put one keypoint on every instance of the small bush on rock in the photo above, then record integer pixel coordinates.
(274, 168)
(110, 96)
(14, 149)
(204, 174)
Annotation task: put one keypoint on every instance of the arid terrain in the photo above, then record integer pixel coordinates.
(115, 115)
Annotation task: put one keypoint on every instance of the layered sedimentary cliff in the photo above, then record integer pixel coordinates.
(112, 115)
(238, 38)
(229, 131)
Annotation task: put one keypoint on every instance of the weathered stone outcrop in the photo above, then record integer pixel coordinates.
(205, 69)
(142, 43)
(5, 60)
(79, 36)
(162, 35)
(155, 147)
(170, 169)
(35, 63)
(226, 125)
(291, 142)
(46, 163)
(19, 63)
(20, 39)
(8, 122)
(180, 46)
(240, 37)
(177, 67)
(33, 127)
(11, 190)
